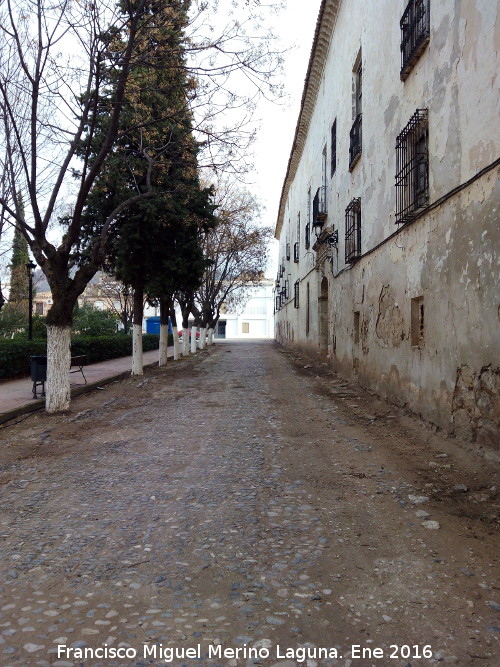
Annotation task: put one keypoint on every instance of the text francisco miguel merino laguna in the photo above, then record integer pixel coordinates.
(170, 653)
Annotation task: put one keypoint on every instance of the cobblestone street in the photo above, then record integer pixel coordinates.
(252, 510)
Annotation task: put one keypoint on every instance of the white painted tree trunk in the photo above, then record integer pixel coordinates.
(193, 339)
(177, 347)
(210, 336)
(203, 333)
(163, 351)
(58, 393)
(185, 342)
(137, 362)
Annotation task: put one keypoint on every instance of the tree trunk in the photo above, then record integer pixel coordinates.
(175, 330)
(65, 293)
(185, 342)
(203, 333)
(185, 310)
(163, 352)
(210, 336)
(58, 393)
(137, 361)
(193, 339)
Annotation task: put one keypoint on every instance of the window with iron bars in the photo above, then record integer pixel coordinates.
(353, 231)
(296, 252)
(319, 207)
(308, 235)
(415, 33)
(278, 303)
(296, 294)
(355, 141)
(288, 251)
(284, 291)
(355, 135)
(412, 160)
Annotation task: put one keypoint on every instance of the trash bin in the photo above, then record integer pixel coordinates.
(38, 373)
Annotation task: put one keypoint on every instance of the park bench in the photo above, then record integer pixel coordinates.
(39, 370)
(79, 361)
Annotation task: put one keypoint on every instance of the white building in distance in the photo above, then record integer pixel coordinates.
(255, 319)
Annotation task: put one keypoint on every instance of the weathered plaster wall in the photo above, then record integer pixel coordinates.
(449, 256)
(449, 259)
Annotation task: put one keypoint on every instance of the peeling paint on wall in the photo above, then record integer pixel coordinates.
(476, 405)
(390, 323)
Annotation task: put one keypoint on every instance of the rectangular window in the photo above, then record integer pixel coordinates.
(319, 209)
(355, 135)
(298, 228)
(415, 33)
(358, 85)
(333, 161)
(288, 251)
(412, 160)
(353, 231)
(296, 252)
(296, 294)
(417, 322)
(308, 235)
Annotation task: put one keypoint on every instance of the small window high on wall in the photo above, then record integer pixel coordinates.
(415, 33)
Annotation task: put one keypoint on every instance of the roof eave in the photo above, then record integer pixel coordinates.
(322, 37)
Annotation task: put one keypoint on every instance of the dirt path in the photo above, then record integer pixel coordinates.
(239, 502)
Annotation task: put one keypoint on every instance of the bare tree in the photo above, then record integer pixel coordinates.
(116, 297)
(55, 60)
(237, 253)
(50, 100)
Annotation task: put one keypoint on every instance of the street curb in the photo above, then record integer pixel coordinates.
(39, 404)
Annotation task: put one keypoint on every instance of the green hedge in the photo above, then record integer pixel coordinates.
(15, 354)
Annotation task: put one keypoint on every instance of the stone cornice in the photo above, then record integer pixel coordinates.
(319, 51)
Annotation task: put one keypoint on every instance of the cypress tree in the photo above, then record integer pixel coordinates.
(20, 257)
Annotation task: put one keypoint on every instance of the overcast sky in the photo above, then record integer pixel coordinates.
(295, 27)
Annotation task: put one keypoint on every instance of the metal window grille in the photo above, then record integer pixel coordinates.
(296, 252)
(278, 302)
(415, 33)
(353, 231)
(355, 141)
(358, 82)
(412, 160)
(333, 162)
(319, 206)
(296, 294)
(284, 291)
(288, 251)
(308, 235)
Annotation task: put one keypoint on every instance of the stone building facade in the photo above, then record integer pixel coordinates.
(389, 221)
